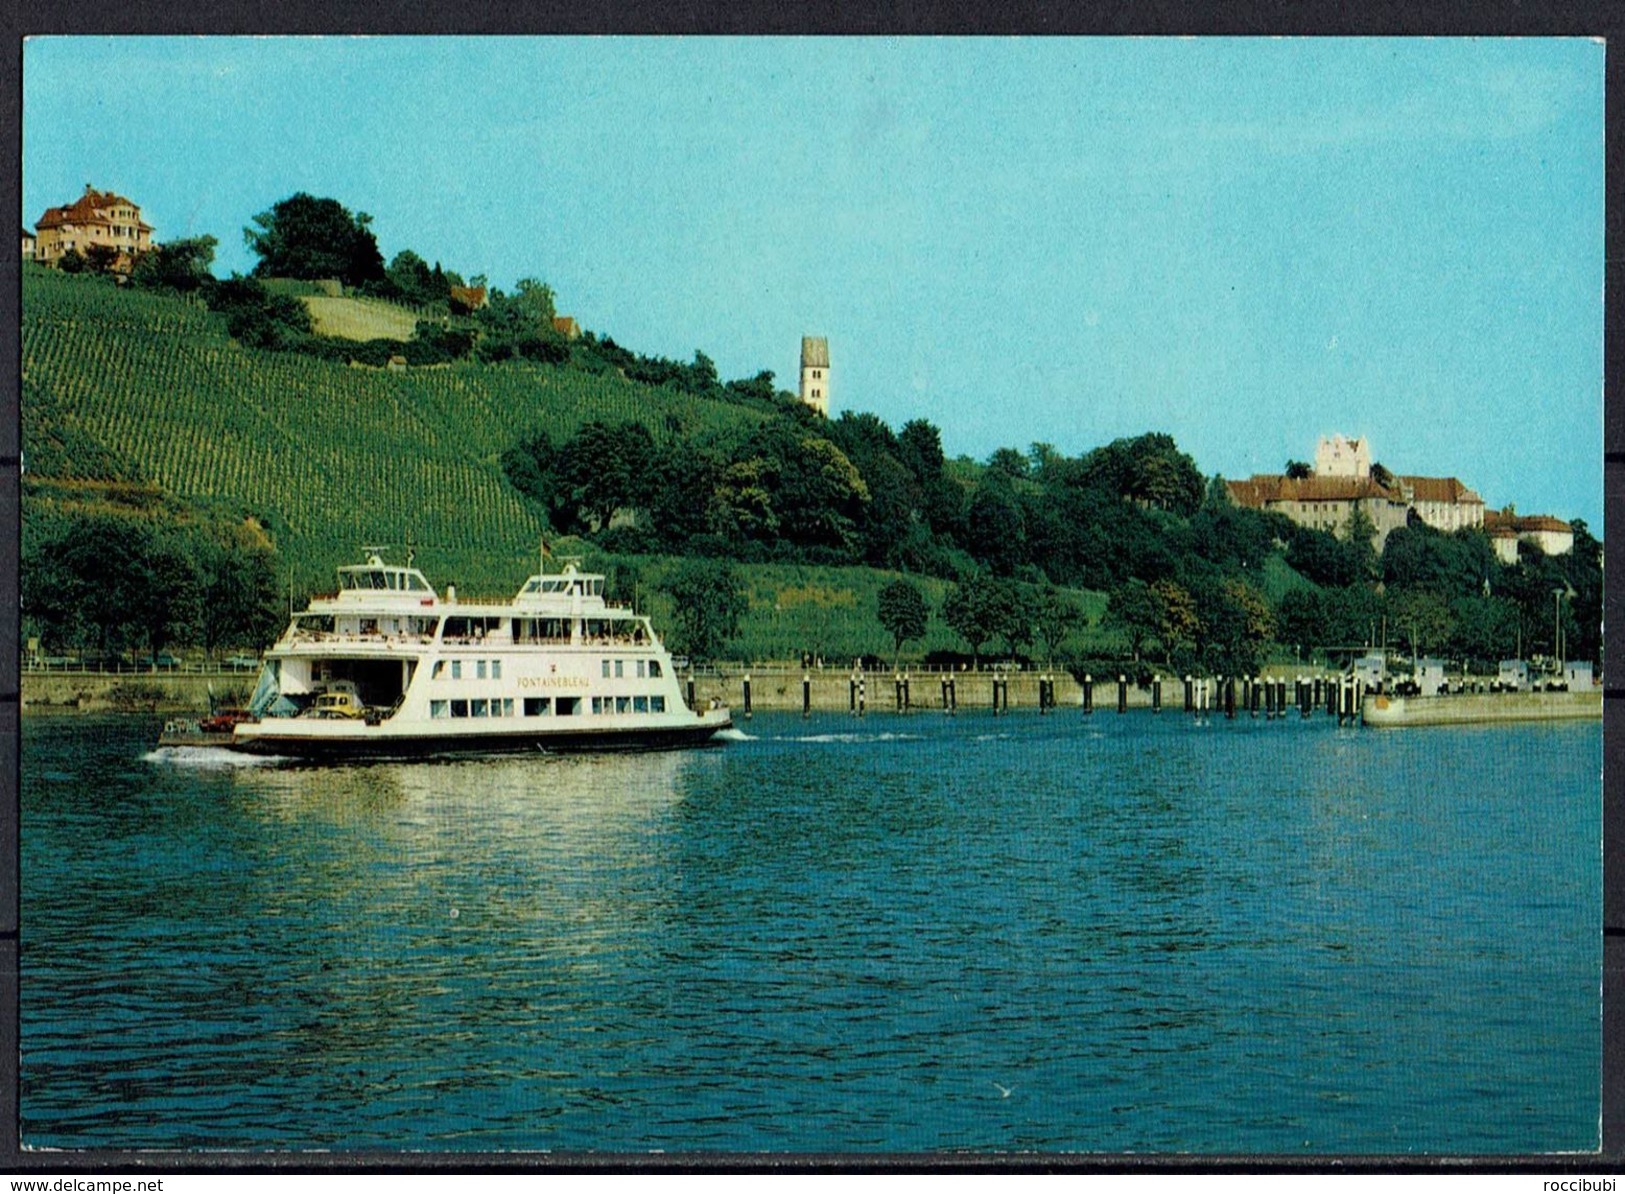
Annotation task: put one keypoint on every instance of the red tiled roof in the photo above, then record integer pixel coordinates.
(89, 208)
(1440, 489)
(1507, 522)
(1263, 488)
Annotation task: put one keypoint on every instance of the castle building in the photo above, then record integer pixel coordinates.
(815, 373)
(1345, 480)
(1508, 529)
(95, 219)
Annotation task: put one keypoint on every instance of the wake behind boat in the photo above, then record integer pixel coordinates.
(388, 667)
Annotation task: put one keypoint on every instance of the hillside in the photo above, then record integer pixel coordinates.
(126, 385)
(360, 318)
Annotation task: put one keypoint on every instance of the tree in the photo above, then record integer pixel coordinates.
(306, 237)
(1360, 533)
(257, 318)
(240, 604)
(903, 613)
(100, 259)
(182, 265)
(1300, 620)
(604, 468)
(71, 262)
(1134, 611)
(1178, 621)
(414, 282)
(1298, 470)
(1054, 617)
(708, 602)
(997, 534)
(1422, 620)
(1009, 462)
(973, 610)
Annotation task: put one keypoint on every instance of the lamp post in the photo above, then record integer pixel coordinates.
(1557, 630)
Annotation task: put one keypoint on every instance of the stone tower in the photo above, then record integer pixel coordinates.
(1339, 456)
(815, 373)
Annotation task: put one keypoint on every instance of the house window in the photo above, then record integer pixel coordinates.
(640, 666)
(481, 709)
(496, 669)
(438, 709)
(657, 704)
(654, 669)
(567, 706)
(456, 669)
(538, 706)
(479, 669)
(605, 664)
(459, 708)
(618, 664)
(507, 706)
(640, 704)
(623, 704)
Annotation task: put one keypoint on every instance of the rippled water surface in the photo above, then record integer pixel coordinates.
(1059, 933)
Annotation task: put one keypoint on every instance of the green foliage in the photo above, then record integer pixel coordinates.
(1136, 612)
(903, 612)
(1298, 470)
(118, 582)
(1149, 469)
(1421, 620)
(306, 237)
(183, 266)
(1054, 617)
(100, 259)
(708, 603)
(257, 318)
(981, 608)
(1454, 565)
(412, 281)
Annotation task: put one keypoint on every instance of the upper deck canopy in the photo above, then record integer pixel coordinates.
(376, 577)
(569, 590)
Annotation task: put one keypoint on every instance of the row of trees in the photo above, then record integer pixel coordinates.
(114, 585)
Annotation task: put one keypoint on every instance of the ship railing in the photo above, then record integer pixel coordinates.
(335, 636)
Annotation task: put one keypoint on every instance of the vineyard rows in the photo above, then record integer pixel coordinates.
(329, 457)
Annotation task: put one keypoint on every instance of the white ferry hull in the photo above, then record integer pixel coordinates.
(307, 739)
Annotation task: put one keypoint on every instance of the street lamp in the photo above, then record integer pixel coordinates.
(1557, 629)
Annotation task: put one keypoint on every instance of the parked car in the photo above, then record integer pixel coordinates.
(243, 663)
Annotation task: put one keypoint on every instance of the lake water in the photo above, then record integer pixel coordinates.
(1058, 933)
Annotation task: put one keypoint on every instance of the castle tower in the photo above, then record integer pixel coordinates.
(1338, 456)
(815, 373)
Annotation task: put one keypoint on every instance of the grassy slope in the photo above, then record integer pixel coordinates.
(360, 319)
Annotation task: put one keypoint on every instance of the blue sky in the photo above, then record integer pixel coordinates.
(1244, 243)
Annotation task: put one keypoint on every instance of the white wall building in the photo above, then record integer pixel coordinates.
(1338, 456)
(815, 373)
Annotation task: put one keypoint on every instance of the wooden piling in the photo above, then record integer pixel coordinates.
(746, 685)
(1088, 693)
(806, 695)
(1122, 693)
(1156, 694)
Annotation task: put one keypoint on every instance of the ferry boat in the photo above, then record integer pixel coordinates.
(388, 667)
